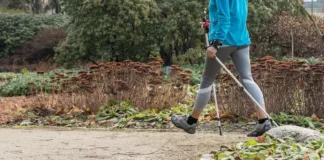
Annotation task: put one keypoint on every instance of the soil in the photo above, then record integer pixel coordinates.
(47, 144)
(87, 144)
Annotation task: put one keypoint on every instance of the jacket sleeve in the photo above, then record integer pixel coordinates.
(220, 21)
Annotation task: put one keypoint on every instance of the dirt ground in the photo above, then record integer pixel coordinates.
(49, 144)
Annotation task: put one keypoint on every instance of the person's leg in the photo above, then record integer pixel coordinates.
(210, 72)
(241, 60)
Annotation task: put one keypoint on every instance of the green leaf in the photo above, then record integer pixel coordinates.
(32, 115)
(150, 119)
(139, 116)
(112, 103)
(310, 123)
(223, 155)
(159, 124)
(317, 124)
(177, 110)
(25, 122)
(239, 145)
(251, 142)
(122, 122)
(103, 118)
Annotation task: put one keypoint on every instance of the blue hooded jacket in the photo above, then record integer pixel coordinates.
(228, 22)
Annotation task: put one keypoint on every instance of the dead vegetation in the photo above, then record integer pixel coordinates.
(288, 86)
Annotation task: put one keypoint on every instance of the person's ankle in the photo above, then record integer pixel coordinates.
(262, 120)
(191, 120)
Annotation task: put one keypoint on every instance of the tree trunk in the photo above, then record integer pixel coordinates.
(57, 6)
(37, 7)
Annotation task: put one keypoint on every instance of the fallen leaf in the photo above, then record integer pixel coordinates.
(88, 109)
(213, 114)
(315, 118)
(76, 110)
(260, 139)
(306, 158)
(167, 119)
(209, 118)
(25, 122)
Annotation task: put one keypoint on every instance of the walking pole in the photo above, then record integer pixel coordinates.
(214, 90)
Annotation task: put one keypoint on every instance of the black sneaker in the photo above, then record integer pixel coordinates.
(181, 122)
(260, 129)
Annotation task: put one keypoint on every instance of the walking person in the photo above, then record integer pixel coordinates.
(228, 37)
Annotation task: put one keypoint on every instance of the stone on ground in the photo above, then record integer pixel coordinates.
(301, 134)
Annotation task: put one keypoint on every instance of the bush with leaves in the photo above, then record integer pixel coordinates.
(114, 30)
(272, 33)
(40, 48)
(291, 36)
(11, 11)
(260, 12)
(29, 83)
(196, 70)
(7, 76)
(18, 28)
(144, 84)
(191, 57)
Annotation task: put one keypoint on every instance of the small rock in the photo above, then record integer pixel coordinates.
(302, 134)
(252, 123)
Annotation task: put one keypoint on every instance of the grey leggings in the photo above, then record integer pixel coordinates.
(241, 60)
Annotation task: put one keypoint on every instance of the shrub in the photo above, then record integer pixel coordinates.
(18, 28)
(291, 36)
(260, 12)
(196, 72)
(192, 56)
(29, 83)
(133, 30)
(288, 86)
(7, 76)
(142, 84)
(40, 48)
(11, 11)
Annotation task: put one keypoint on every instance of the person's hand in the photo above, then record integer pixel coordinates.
(205, 26)
(211, 52)
(202, 27)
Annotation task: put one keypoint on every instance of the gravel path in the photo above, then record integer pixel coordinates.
(46, 144)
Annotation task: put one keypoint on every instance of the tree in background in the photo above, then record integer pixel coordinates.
(32, 6)
(109, 31)
(262, 14)
(115, 30)
(180, 27)
(261, 11)
(56, 4)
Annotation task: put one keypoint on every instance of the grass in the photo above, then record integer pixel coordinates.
(19, 84)
(12, 11)
(4, 76)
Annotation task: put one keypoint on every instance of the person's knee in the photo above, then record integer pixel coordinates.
(205, 88)
(247, 81)
(206, 82)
